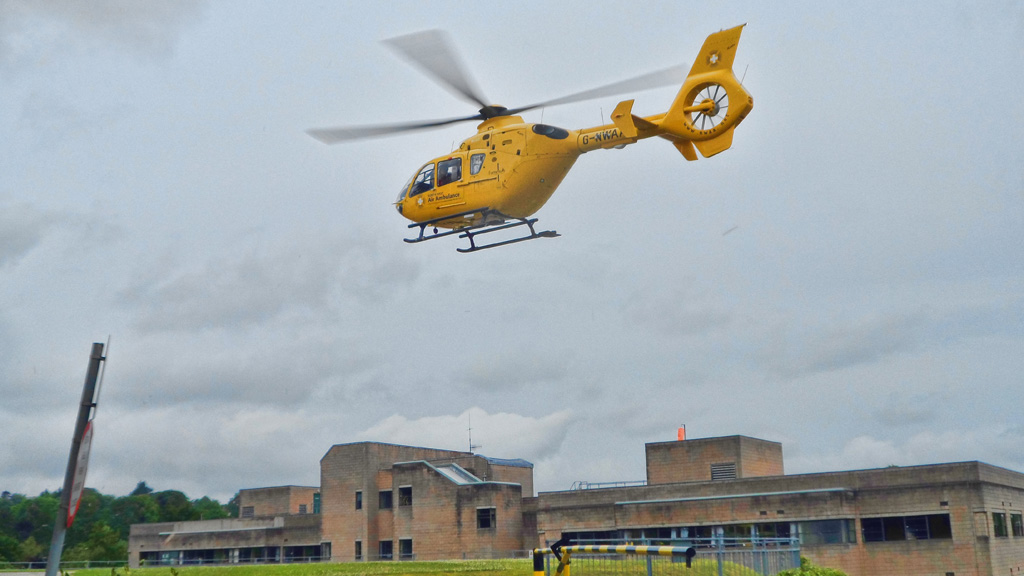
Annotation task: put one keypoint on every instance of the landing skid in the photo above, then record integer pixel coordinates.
(490, 221)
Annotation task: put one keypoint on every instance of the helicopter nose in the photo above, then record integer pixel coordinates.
(398, 206)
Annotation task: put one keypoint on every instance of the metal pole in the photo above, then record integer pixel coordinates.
(84, 410)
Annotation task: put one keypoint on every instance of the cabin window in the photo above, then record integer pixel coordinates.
(424, 181)
(476, 162)
(553, 132)
(405, 189)
(449, 171)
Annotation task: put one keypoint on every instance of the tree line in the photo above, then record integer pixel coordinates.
(100, 529)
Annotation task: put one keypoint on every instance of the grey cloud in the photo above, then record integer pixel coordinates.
(794, 352)
(502, 434)
(514, 368)
(22, 228)
(907, 411)
(235, 291)
(149, 29)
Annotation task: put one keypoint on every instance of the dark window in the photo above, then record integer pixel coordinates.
(449, 171)
(701, 532)
(552, 132)
(939, 527)
(999, 524)
(894, 528)
(386, 549)
(736, 531)
(476, 162)
(405, 549)
(871, 530)
(385, 499)
(916, 527)
(359, 499)
(359, 549)
(405, 496)
(316, 502)
(424, 181)
(1017, 523)
(247, 511)
(302, 508)
(773, 530)
(485, 518)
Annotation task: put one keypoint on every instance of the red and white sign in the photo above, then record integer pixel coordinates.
(78, 486)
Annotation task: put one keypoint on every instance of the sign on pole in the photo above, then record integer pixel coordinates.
(78, 486)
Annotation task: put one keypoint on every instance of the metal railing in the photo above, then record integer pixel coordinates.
(764, 556)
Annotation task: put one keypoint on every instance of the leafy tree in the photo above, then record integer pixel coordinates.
(141, 489)
(30, 550)
(174, 506)
(136, 509)
(8, 548)
(232, 506)
(33, 517)
(102, 524)
(106, 544)
(207, 508)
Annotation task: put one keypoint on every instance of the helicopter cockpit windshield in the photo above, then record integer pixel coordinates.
(424, 181)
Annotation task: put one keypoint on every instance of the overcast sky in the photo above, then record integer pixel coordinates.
(848, 279)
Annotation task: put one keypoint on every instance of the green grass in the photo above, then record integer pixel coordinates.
(453, 567)
(442, 568)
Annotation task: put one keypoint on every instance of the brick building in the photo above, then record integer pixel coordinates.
(382, 501)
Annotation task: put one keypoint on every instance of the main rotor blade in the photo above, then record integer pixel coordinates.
(666, 77)
(433, 53)
(342, 134)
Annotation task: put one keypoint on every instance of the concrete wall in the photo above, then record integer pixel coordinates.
(691, 460)
(968, 492)
(227, 534)
(365, 467)
(276, 501)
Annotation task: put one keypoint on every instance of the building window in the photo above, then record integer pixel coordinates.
(386, 549)
(359, 549)
(486, 518)
(385, 499)
(248, 511)
(405, 549)
(302, 509)
(723, 471)
(773, 530)
(1017, 524)
(826, 532)
(405, 496)
(359, 499)
(999, 524)
(316, 502)
(894, 528)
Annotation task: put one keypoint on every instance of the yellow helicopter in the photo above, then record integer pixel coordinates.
(503, 174)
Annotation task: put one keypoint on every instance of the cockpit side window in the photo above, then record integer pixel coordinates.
(449, 171)
(476, 162)
(405, 189)
(424, 181)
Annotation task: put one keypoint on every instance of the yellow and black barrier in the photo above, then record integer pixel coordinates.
(564, 552)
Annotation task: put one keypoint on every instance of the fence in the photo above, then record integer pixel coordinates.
(698, 557)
